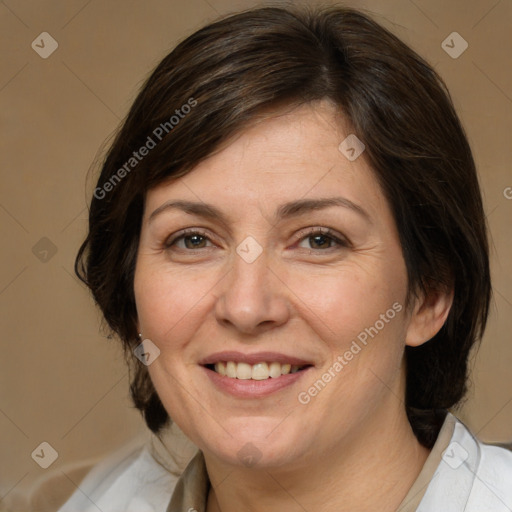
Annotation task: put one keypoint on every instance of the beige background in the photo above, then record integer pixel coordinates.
(61, 381)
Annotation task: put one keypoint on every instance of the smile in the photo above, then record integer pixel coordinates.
(258, 371)
(254, 375)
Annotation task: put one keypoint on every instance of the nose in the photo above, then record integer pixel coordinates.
(252, 298)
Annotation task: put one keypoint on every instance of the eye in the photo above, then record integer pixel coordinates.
(189, 240)
(321, 239)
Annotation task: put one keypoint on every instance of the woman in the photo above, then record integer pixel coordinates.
(288, 238)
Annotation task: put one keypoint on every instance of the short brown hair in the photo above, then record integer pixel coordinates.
(236, 68)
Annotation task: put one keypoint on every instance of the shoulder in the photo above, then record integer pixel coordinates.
(472, 477)
(493, 479)
(50, 492)
(138, 477)
(58, 486)
(132, 481)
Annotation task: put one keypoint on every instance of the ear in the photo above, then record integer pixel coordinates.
(428, 316)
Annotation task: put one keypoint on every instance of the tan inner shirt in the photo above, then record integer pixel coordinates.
(191, 492)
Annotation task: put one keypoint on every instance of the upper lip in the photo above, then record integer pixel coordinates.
(254, 358)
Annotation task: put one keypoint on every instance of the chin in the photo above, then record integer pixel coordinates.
(257, 443)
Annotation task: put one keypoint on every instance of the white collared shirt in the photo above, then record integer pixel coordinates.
(469, 476)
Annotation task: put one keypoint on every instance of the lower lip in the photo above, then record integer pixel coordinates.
(253, 388)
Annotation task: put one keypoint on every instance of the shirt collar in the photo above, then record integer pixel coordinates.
(191, 491)
(172, 449)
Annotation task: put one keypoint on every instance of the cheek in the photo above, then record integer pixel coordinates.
(360, 319)
(350, 303)
(169, 304)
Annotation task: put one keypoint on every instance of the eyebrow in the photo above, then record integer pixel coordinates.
(285, 211)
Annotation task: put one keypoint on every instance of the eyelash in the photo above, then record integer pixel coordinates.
(303, 234)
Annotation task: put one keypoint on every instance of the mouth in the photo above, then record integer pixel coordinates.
(254, 375)
(263, 370)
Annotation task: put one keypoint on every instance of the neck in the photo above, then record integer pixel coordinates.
(373, 470)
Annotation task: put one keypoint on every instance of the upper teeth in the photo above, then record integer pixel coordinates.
(259, 371)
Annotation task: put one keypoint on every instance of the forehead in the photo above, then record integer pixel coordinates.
(280, 157)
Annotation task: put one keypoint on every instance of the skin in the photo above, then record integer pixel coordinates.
(351, 447)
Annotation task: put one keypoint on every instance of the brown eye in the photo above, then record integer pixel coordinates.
(321, 239)
(194, 241)
(189, 241)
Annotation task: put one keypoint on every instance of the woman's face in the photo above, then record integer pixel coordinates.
(277, 250)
